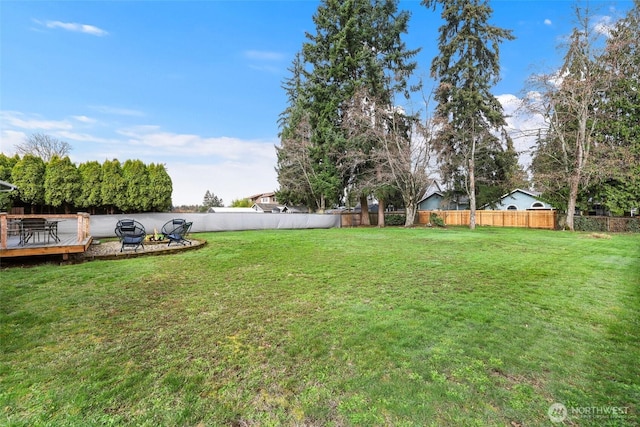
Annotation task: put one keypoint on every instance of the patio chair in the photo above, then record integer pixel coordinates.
(176, 230)
(131, 233)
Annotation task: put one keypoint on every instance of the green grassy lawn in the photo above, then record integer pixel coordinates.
(401, 327)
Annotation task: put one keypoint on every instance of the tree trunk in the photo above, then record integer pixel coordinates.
(472, 187)
(381, 212)
(573, 197)
(364, 211)
(410, 211)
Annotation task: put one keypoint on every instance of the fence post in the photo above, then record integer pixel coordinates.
(3, 230)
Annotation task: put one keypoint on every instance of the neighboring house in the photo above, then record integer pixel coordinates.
(276, 208)
(520, 200)
(435, 199)
(230, 210)
(267, 203)
(263, 198)
(296, 209)
(268, 207)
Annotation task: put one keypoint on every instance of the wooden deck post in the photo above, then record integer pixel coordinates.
(3, 230)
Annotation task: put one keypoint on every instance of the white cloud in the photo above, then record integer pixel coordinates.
(105, 109)
(9, 139)
(84, 119)
(195, 145)
(75, 27)
(19, 120)
(267, 68)
(604, 25)
(263, 60)
(83, 137)
(264, 55)
(547, 21)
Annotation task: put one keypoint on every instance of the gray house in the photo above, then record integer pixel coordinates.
(435, 199)
(520, 200)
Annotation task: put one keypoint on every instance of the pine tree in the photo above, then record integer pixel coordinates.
(467, 66)
(211, 201)
(356, 45)
(617, 169)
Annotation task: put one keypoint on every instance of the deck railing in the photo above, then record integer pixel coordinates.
(9, 224)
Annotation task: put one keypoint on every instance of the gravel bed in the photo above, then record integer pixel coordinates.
(111, 249)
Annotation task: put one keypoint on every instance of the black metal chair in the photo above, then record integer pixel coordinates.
(176, 230)
(131, 233)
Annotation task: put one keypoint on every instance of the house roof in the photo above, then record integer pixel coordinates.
(435, 189)
(267, 207)
(534, 194)
(231, 210)
(256, 196)
(432, 188)
(435, 193)
(296, 209)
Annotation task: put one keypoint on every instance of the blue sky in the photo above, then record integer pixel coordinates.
(197, 85)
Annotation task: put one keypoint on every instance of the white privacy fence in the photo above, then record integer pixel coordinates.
(104, 225)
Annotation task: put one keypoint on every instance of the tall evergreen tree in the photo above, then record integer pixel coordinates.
(91, 177)
(210, 200)
(28, 175)
(617, 168)
(467, 66)
(356, 44)
(160, 188)
(296, 174)
(6, 165)
(113, 187)
(136, 176)
(62, 183)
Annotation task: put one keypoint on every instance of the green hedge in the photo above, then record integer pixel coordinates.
(394, 219)
(606, 224)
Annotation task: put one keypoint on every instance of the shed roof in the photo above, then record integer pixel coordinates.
(6, 187)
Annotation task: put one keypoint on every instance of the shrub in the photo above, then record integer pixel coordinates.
(586, 223)
(607, 224)
(434, 219)
(394, 219)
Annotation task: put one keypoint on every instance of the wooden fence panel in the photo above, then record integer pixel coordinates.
(528, 219)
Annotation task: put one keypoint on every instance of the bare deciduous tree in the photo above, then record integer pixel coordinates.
(566, 100)
(296, 173)
(44, 146)
(401, 150)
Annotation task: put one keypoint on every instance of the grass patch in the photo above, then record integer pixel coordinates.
(329, 327)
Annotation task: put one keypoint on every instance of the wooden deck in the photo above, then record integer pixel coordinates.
(74, 238)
